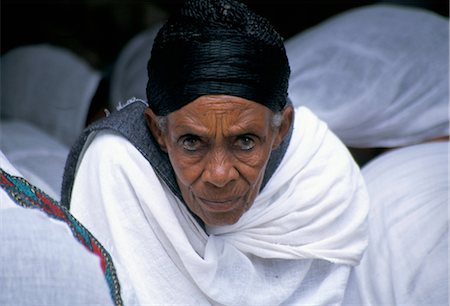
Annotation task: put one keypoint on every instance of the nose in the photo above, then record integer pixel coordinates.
(220, 169)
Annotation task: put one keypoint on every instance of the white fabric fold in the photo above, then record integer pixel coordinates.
(295, 245)
(377, 75)
(37, 155)
(406, 262)
(41, 262)
(305, 209)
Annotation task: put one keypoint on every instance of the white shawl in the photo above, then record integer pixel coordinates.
(296, 244)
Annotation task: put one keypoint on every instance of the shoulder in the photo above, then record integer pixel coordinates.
(307, 121)
(109, 146)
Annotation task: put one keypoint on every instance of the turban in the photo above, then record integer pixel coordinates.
(216, 47)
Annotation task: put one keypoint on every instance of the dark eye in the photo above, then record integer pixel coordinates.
(190, 142)
(245, 143)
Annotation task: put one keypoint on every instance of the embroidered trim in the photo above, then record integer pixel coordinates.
(29, 196)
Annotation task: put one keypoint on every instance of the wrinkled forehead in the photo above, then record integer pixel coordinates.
(229, 112)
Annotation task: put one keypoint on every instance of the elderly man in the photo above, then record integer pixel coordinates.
(218, 192)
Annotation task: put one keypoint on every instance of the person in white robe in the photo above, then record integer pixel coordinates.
(303, 231)
(378, 76)
(41, 261)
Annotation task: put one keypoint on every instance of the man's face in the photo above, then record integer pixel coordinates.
(219, 147)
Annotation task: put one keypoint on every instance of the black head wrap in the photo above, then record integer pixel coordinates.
(217, 47)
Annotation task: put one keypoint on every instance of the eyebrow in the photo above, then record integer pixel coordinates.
(247, 128)
(191, 127)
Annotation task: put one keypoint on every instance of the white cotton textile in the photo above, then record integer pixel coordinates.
(377, 75)
(49, 87)
(407, 260)
(129, 76)
(296, 245)
(41, 263)
(37, 155)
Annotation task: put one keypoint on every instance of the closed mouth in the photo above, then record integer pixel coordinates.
(219, 205)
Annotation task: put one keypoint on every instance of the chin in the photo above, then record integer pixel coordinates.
(223, 219)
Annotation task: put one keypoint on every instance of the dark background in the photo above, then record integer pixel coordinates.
(98, 29)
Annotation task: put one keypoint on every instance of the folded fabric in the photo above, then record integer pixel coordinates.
(39, 157)
(377, 75)
(48, 257)
(406, 262)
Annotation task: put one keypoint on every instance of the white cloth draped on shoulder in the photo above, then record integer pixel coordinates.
(295, 245)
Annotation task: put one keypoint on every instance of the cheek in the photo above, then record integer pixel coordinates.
(254, 159)
(187, 169)
(252, 164)
(252, 173)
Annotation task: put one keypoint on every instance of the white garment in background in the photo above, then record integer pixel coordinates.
(407, 260)
(296, 244)
(39, 157)
(129, 76)
(377, 75)
(49, 87)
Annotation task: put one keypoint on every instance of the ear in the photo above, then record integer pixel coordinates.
(158, 134)
(283, 129)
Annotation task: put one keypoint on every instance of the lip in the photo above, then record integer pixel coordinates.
(219, 205)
